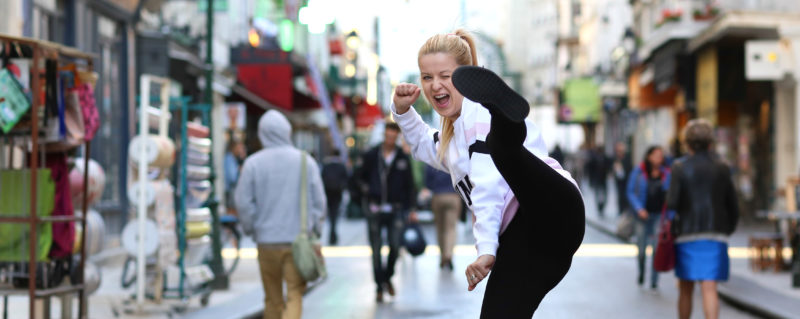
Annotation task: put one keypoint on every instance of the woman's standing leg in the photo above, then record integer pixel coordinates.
(710, 299)
(641, 248)
(652, 240)
(685, 299)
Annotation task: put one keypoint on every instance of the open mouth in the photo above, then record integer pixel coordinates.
(441, 100)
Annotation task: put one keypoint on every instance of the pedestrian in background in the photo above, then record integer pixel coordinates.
(268, 201)
(621, 168)
(388, 188)
(234, 158)
(335, 178)
(597, 169)
(703, 197)
(446, 206)
(647, 188)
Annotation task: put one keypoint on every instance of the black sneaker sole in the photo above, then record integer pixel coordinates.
(483, 86)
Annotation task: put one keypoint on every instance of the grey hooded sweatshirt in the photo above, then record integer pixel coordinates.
(268, 190)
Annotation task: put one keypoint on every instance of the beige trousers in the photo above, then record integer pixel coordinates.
(276, 265)
(446, 208)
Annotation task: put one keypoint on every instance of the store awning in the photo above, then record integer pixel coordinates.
(271, 82)
(367, 114)
(645, 96)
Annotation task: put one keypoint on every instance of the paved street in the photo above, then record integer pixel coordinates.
(601, 284)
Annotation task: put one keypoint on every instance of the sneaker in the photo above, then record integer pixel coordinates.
(483, 86)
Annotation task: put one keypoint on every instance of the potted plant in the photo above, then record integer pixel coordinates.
(710, 11)
(668, 16)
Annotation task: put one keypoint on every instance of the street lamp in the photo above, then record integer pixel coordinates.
(352, 40)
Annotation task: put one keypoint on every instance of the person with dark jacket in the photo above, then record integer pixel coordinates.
(621, 167)
(597, 170)
(703, 197)
(388, 185)
(647, 188)
(334, 178)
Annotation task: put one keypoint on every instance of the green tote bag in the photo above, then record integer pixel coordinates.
(306, 247)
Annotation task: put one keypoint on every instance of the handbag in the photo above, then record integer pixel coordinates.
(664, 258)
(413, 239)
(306, 248)
(625, 226)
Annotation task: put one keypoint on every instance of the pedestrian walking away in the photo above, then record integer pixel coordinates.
(335, 178)
(528, 211)
(703, 196)
(268, 202)
(646, 191)
(388, 189)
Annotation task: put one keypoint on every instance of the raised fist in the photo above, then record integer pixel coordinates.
(405, 94)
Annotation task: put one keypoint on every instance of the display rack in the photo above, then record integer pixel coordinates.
(183, 199)
(195, 273)
(47, 50)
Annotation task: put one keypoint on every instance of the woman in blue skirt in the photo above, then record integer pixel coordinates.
(702, 194)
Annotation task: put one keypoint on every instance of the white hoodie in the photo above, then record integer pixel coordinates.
(472, 172)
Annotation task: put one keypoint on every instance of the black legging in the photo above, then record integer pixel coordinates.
(536, 249)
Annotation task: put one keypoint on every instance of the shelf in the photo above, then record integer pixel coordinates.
(48, 219)
(46, 292)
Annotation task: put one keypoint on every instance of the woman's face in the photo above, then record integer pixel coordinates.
(435, 71)
(656, 158)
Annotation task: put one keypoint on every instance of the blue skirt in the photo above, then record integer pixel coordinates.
(702, 260)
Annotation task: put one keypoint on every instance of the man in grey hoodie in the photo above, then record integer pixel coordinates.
(268, 201)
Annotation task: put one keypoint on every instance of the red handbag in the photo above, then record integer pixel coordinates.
(664, 258)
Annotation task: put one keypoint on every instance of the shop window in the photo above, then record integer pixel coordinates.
(48, 20)
(106, 147)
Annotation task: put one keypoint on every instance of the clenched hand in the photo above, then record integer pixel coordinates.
(405, 94)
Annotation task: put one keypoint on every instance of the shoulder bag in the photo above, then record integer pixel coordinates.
(664, 257)
(306, 250)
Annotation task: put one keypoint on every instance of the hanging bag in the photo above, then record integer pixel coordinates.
(306, 248)
(414, 239)
(664, 258)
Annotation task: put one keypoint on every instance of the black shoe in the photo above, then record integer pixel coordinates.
(379, 296)
(654, 286)
(641, 280)
(483, 86)
(333, 239)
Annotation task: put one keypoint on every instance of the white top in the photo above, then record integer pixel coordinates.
(472, 172)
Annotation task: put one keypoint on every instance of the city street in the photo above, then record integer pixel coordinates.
(600, 284)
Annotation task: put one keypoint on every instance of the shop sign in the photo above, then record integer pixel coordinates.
(581, 103)
(707, 84)
(249, 55)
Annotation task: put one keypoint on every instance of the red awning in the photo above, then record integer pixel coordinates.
(271, 82)
(367, 114)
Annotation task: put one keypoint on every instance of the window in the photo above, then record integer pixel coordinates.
(48, 20)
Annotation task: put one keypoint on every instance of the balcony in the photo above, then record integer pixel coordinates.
(662, 21)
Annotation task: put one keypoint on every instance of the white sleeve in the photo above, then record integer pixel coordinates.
(422, 138)
(487, 202)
